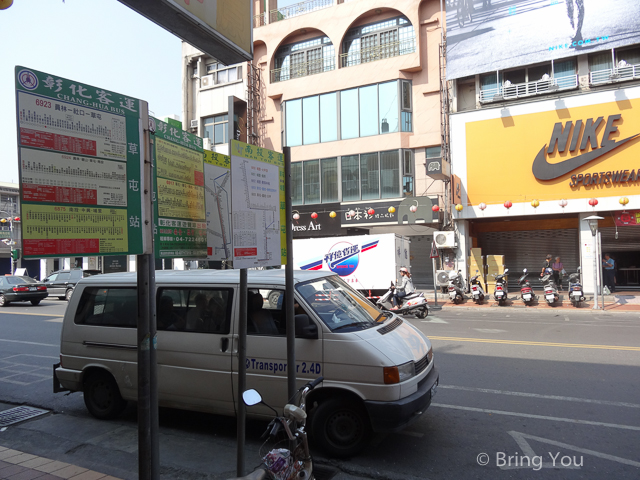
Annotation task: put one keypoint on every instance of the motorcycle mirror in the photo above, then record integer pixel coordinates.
(524, 271)
(251, 398)
(477, 271)
(506, 270)
(579, 268)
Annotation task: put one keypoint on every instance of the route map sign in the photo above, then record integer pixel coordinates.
(180, 223)
(217, 181)
(258, 216)
(79, 152)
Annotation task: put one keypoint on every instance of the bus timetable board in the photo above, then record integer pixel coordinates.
(79, 154)
(180, 219)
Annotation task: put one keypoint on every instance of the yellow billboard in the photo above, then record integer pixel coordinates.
(578, 152)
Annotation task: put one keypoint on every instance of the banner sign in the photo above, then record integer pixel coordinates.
(258, 216)
(217, 181)
(624, 219)
(79, 151)
(316, 220)
(179, 204)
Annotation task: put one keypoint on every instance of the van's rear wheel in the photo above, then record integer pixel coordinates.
(102, 396)
(340, 427)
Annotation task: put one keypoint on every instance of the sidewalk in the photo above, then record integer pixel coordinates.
(623, 301)
(15, 465)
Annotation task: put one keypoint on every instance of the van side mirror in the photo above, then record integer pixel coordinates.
(305, 328)
(251, 397)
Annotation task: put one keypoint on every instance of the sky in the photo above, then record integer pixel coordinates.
(101, 43)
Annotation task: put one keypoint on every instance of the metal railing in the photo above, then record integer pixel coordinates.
(378, 52)
(618, 74)
(528, 89)
(260, 20)
(290, 11)
(303, 69)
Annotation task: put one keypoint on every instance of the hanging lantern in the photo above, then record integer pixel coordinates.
(563, 203)
(413, 208)
(508, 204)
(391, 209)
(593, 202)
(435, 208)
(4, 4)
(623, 201)
(482, 206)
(352, 213)
(314, 215)
(296, 216)
(332, 214)
(371, 211)
(535, 203)
(459, 207)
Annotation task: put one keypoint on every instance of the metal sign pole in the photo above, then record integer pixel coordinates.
(242, 371)
(290, 312)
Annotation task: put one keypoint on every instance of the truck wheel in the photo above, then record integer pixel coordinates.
(68, 294)
(422, 313)
(340, 427)
(102, 396)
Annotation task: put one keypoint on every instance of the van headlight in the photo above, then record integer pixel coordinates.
(400, 373)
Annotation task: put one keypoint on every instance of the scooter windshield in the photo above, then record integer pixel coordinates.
(340, 307)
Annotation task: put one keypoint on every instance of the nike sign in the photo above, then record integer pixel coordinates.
(543, 170)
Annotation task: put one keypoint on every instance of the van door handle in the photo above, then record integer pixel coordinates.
(224, 344)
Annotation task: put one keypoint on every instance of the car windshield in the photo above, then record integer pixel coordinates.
(339, 306)
(13, 280)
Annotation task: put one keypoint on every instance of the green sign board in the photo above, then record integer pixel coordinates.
(179, 204)
(80, 164)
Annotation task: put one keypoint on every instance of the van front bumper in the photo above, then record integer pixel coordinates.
(394, 416)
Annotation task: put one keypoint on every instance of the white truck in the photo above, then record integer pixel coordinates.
(366, 262)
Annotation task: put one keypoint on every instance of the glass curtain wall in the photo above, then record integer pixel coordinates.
(293, 115)
(350, 178)
(329, 179)
(311, 184)
(368, 110)
(328, 117)
(370, 180)
(389, 174)
(349, 114)
(296, 183)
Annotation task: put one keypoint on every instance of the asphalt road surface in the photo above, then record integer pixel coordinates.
(523, 394)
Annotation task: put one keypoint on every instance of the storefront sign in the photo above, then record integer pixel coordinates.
(624, 219)
(362, 214)
(115, 264)
(79, 150)
(321, 226)
(180, 229)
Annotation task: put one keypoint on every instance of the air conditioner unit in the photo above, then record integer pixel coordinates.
(445, 239)
(442, 278)
(206, 81)
(206, 143)
(194, 123)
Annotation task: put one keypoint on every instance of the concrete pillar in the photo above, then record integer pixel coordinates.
(464, 247)
(586, 254)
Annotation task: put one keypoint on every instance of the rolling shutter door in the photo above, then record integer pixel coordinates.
(528, 249)
(421, 264)
(628, 239)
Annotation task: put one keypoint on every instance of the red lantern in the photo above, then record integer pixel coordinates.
(371, 211)
(435, 208)
(508, 204)
(314, 215)
(593, 202)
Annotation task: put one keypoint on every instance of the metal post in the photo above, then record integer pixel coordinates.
(242, 372)
(144, 369)
(600, 269)
(595, 271)
(290, 313)
(153, 374)
(435, 283)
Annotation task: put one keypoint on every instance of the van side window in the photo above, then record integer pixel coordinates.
(205, 310)
(265, 312)
(63, 277)
(108, 307)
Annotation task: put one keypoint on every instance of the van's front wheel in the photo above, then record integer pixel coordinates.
(102, 396)
(340, 427)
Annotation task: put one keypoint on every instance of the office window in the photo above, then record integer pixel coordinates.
(433, 152)
(388, 110)
(215, 128)
(370, 176)
(407, 122)
(385, 39)
(296, 183)
(349, 114)
(328, 117)
(310, 120)
(329, 179)
(390, 174)
(304, 58)
(368, 110)
(311, 184)
(350, 178)
(294, 122)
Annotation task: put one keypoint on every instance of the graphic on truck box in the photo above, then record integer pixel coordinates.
(343, 258)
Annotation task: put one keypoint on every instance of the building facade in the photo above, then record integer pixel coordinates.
(544, 137)
(353, 87)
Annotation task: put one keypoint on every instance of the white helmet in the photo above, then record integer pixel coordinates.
(404, 269)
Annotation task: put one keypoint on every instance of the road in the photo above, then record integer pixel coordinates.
(520, 389)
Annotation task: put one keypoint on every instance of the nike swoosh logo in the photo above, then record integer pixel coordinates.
(544, 170)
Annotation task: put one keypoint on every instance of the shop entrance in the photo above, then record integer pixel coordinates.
(623, 243)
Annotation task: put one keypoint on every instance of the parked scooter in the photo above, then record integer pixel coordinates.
(283, 463)
(413, 304)
(526, 292)
(550, 289)
(456, 287)
(476, 288)
(501, 292)
(576, 294)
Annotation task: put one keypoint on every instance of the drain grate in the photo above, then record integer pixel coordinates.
(19, 414)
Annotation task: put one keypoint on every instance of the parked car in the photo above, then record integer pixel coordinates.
(62, 282)
(21, 289)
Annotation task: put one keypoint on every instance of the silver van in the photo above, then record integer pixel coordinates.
(378, 369)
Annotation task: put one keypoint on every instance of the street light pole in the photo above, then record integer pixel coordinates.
(593, 225)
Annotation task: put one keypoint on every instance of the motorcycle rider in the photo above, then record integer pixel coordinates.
(546, 265)
(405, 288)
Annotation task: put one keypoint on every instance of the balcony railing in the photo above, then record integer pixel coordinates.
(528, 89)
(291, 11)
(378, 52)
(303, 69)
(619, 74)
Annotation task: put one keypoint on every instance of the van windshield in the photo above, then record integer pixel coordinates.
(339, 306)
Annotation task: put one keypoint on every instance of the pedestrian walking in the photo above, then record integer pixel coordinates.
(558, 270)
(609, 272)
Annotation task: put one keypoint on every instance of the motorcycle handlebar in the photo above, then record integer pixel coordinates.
(315, 383)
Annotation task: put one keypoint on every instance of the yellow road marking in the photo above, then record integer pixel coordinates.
(540, 344)
(27, 313)
(55, 320)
